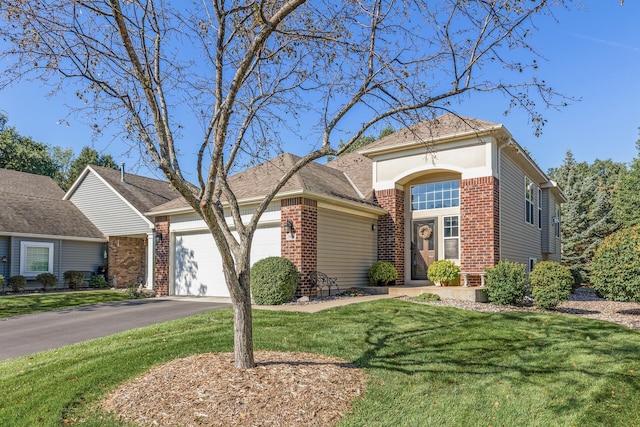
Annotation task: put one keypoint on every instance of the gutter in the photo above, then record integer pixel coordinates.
(280, 196)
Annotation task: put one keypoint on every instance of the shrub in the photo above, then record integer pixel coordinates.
(73, 278)
(382, 272)
(506, 283)
(273, 281)
(48, 280)
(577, 278)
(98, 281)
(17, 283)
(615, 269)
(551, 283)
(1, 281)
(443, 271)
(426, 297)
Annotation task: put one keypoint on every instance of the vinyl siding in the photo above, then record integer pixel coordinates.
(81, 256)
(347, 246)
(548, 242)
(555, 243)
(107, 210)
(519, 240)
(4, 251)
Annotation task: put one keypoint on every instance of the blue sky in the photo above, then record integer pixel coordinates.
(592, 54)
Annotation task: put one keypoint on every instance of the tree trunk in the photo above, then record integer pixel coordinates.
(242, 324)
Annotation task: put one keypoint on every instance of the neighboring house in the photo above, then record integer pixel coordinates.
(450, 188)
(115, 202)
(42, 233)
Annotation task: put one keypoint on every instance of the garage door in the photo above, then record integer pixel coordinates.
(198, 266)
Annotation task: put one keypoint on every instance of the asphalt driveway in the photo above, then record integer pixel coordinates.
(22, 335)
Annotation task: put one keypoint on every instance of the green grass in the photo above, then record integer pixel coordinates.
(426, 297)
(427, 366)
(36, 303)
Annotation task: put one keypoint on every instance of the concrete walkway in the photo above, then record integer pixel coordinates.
(314, 307)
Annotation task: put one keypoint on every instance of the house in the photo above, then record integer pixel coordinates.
(42, 233)
(115, 202)
(450, 188)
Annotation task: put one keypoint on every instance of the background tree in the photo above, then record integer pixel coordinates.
(21, 153)
(87, 156)
(62, 157)
(587, 217)
(254, 73)
(627, 195)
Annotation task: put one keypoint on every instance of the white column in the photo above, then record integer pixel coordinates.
(151, 252)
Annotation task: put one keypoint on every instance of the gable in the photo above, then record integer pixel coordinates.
(105, 208)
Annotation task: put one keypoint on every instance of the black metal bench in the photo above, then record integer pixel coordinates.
(319, 280)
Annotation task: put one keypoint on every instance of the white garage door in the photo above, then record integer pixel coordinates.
(198, 266)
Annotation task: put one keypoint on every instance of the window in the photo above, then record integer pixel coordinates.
(528, 200)
(451, 237)
(539, 208)
(532, 263)
(556, 221)
(436, 195)
(36, 258)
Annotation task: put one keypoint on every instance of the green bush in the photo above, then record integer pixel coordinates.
(426, 297)
(506, 283)
(48, 280)
(98, 281)
(1, 281)
(17, 283)
(73, 278)
(578, 279)
(273, 281)
(615, 269)
(443, 271)
(382, 272)
(551, 284)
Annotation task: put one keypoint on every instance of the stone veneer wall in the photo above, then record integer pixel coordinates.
(127, 260)
(479, 224)
(161, 285)
(303, 250)
(391, 245)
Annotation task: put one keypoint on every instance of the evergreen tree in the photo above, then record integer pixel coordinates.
(627, 195)
(587, 217)
(88, 156)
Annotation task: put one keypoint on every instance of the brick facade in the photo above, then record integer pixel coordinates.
(479, 224)
(303, 249)
(391, 242)
(161, 269)
(127, 260)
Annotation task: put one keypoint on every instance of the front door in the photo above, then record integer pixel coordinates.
(423, 247)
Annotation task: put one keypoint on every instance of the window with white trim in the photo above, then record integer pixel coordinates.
(539, 208)
(435, 195)
(556, 221)
(451, 231)
(528, 201)
(36, 258)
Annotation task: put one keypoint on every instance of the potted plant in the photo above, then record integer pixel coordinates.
(443, 271)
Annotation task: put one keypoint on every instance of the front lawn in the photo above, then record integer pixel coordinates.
(427, 366)
(36, 303)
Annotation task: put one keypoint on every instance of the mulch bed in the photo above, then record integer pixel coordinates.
(285, 389)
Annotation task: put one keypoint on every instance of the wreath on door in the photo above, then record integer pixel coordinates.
(425, 232)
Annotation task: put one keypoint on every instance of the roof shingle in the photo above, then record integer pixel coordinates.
(32, 204)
